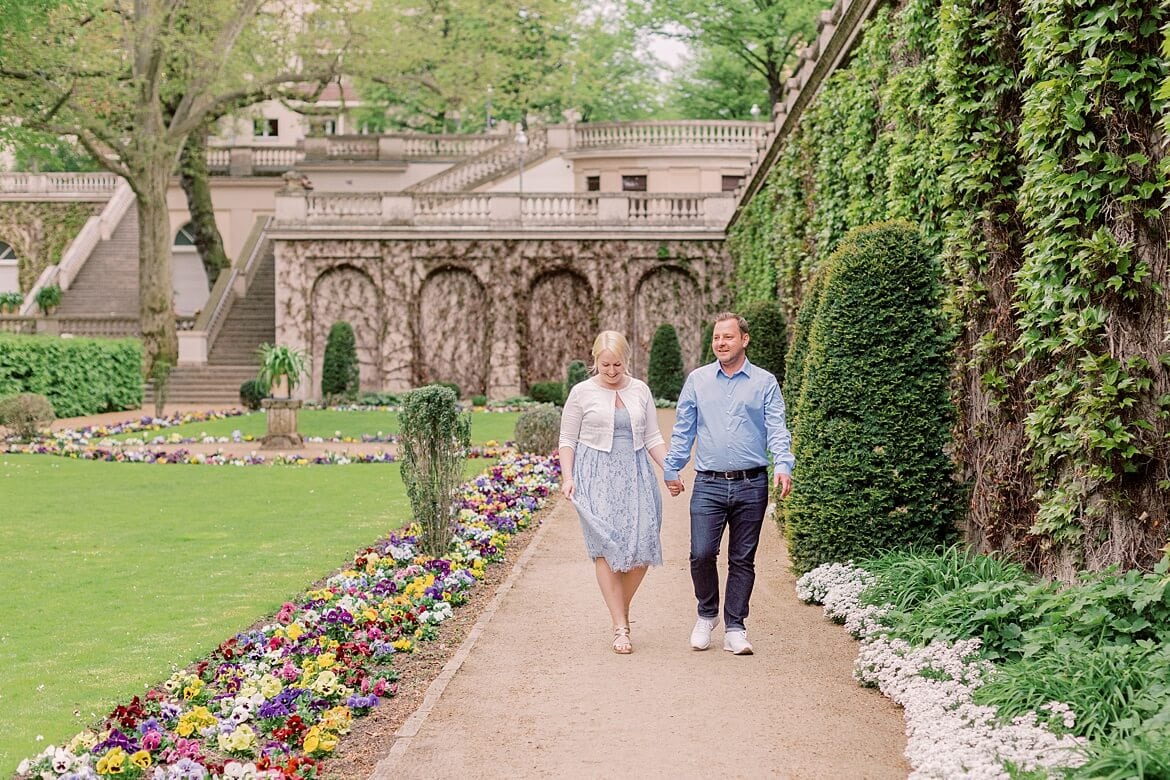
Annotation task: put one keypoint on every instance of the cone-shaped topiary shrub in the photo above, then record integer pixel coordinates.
(577, 372)
(664, 375)
(794, 362)
(769, 336)
(706, 354)
(339, 368)
(875, 415)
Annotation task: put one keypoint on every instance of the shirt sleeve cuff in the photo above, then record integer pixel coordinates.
(669, 476)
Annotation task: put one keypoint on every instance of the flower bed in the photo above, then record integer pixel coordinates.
(948, 735)
(273, 701)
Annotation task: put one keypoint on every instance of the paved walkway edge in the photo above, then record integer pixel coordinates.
(385, 767)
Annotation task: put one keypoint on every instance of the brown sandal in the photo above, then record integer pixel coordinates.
(621, 640)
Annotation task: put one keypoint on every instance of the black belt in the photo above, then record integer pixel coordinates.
(744, 474)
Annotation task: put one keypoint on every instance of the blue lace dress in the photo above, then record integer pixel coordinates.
(618, 501)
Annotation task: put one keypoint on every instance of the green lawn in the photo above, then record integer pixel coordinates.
(114, 574)
(326, 423)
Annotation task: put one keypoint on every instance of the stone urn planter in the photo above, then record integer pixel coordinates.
(281, 369)
(282, 424)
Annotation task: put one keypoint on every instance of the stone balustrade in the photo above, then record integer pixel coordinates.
(504, 211)
(669, 135)
(97, 185)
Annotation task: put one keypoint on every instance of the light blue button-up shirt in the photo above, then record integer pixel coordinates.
(736, 419)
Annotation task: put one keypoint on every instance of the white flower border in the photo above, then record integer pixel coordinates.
(947, 734)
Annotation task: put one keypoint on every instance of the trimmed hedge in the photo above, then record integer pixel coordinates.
(769, 336)
(538, 430)
(665, 375)
(794, 363)
(875, 418)
(78, 376)
(548, 392)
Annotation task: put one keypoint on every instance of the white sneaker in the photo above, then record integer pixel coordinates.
(737, 642)
(701, 634)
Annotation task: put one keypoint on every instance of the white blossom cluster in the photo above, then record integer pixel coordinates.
(948, 735)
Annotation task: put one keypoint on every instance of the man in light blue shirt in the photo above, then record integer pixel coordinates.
(735, 412)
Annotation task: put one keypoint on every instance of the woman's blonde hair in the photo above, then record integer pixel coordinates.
(611, 341)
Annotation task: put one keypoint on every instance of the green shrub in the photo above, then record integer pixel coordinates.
(769, 336)
(453, 387)
(78, 376)
(547, 392)
(339, 368)
(538, 430)
(10, 302)
(875, 415)
(252, 393)
(379, 399)
(479, 400)
(664, 374)
(577, 372)
(706, 353)
(433, 438)
(26, 414)
(794, 363)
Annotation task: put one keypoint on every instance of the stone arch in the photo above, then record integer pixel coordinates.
(345, 292)
(560, 326)
(191, 284)
(453, 330)
(668, 294)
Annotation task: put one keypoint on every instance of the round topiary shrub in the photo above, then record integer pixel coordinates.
(577, 372)
(252, 393)
(769, 336)
(664, 375)
(875, 415)
(453, 387)
(538, 430)
(26, 414)
(547, 393)
(339, 368)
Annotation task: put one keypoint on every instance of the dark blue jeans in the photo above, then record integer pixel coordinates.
(738, 505)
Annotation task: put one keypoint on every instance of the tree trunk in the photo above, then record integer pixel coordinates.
(155, 276)
(193, 178)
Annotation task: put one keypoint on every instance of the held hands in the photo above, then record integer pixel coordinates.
(675, 486)
(568, 488)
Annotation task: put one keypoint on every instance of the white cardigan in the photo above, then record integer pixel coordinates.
(588, 415)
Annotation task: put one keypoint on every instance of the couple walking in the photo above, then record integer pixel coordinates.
(609, 435)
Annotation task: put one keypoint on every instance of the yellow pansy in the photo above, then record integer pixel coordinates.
(141, 759)
(112, 763)
(326, 660)
(294, 631)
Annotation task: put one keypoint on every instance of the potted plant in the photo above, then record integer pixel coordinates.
(10, 302)
(49, 298)
(281, 369)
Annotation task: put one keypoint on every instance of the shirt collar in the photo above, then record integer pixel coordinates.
(745, 369)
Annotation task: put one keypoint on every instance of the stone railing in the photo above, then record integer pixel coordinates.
(93, 327)
(505, 211)
(97, 185)
(195, 343)
(503, 157)
(668, 136)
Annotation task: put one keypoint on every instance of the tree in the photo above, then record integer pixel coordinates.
(469, 60)
(715, 84)
(131, 81)
(664, 375)
(875, 416)
(764, 35)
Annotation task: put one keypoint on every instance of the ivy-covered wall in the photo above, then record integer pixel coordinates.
(1022, 137)
(40, 231)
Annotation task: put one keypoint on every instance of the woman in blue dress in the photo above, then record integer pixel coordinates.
(609, 435)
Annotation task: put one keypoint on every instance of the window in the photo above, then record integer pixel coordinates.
(7, 252)
(634, 183)
(330, 127)
(265, 128)
(185, 236)
(592, 183)
(731, 183)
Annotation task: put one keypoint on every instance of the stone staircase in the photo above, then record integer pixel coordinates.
(492, 163)
(107, 285)
(250, 322)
